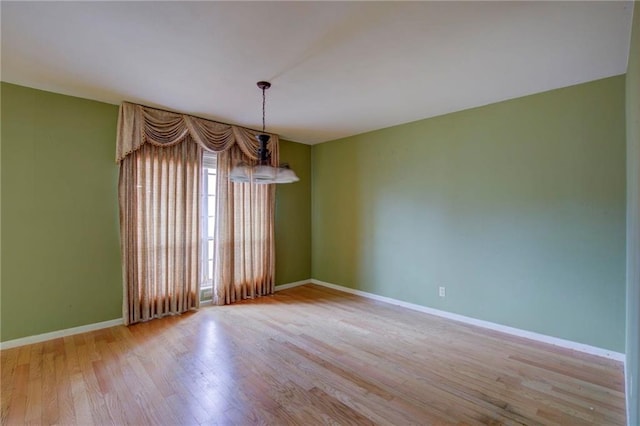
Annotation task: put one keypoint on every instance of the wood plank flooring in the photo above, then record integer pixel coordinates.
(307, 355)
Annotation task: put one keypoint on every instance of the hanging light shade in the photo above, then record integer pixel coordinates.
(286, 175)
(263, 172)
(240, 173)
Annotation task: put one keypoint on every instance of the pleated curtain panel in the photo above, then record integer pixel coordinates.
(160, 156)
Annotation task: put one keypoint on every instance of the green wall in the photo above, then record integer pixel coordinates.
(59, 213)
(293, 216)
(61, 256)
(517, 208)
(633, 224)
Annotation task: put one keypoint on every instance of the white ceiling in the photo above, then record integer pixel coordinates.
(337, 68)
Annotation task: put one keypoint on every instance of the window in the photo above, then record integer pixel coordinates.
(208, 215)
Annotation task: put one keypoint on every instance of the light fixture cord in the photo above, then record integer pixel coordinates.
(263, 104)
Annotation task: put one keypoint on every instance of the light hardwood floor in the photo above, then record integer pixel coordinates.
(307, 355)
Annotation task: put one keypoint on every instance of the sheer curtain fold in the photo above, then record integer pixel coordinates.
(159, 205)
(244, 254)
(160, 155)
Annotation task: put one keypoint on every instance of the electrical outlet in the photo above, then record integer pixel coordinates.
(441, 292)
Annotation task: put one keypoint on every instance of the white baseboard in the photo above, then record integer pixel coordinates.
(291, 285)
(593, 350)
(568, 344)
(59, 333)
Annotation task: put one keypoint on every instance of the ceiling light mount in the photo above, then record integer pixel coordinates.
(263, 85)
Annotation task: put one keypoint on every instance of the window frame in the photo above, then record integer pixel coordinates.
(207, 212)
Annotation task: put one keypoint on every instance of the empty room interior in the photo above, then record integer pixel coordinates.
(394, 213)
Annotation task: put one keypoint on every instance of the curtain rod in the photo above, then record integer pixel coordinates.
(200, 118)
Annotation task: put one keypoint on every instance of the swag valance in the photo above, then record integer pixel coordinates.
(138, 125)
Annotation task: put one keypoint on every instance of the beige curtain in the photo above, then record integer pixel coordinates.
(159, 213)
(244, 258)
(160, 155)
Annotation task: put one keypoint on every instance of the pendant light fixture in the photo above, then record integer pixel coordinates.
(263, 172)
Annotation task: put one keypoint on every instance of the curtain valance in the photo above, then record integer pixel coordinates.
(138, 125)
